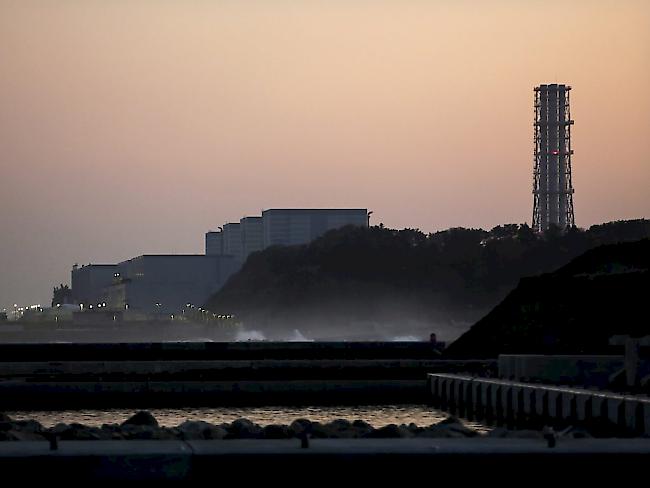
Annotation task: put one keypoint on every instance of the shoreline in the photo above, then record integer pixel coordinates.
(144, 426)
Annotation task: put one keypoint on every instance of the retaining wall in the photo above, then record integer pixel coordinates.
(515, 404)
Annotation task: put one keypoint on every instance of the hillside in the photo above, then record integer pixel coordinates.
(379, 283)
(576, 309)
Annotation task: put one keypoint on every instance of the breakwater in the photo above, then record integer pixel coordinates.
(41, 376)
(515, 405)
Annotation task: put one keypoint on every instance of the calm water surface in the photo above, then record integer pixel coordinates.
(376, 415)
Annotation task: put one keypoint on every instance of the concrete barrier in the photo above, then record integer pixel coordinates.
(583, 406)
(262, 461)
(528, 402)
(541, 403)
(511, 403)
(634, 415)
(475, 403)
(616, 410)
(555, 410)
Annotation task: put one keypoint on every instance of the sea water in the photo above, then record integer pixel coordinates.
(376, 415)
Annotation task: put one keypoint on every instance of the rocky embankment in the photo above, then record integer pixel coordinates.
(144, 426)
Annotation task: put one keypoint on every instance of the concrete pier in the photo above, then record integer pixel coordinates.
(501, 402)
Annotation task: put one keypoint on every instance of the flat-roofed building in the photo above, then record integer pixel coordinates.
(294, 226)
(165, 284)
(232, 243)
(252, 235)
(214, 243)
(90, 283)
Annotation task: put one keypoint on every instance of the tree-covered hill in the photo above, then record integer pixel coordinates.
(380, 283)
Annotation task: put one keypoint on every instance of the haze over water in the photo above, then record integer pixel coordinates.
(134, 127)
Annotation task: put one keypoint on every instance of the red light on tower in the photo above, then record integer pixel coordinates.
(555, 153)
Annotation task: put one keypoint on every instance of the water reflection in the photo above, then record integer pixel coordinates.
(376, 415)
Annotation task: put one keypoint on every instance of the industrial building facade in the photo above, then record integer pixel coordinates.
(252, 238)
(90, 283)
(293, 226)
(280, 227)
(214, 243)
(151, 284)
(165, 284)
(162, 285)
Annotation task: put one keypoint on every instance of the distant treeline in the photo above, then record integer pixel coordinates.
(455, 275)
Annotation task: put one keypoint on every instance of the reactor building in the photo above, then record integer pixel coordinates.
(552, 187)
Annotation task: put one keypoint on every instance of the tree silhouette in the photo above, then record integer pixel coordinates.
(61, 295)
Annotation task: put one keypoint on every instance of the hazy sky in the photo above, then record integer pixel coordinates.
(131, 127)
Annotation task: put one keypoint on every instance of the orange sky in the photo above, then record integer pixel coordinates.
(130, 127)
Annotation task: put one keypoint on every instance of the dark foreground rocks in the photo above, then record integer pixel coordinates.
(144, 426)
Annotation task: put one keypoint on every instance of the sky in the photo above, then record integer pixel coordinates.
(132, 127)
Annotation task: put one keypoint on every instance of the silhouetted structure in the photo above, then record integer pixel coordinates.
(294, 226)
(90, 284)
(251, 235)
(214, 243)
(165, 284)
(552, 187)
(280, 226)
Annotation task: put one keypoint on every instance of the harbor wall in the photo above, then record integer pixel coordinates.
(516, 404)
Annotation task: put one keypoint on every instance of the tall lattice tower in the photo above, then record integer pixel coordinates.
(552, 187)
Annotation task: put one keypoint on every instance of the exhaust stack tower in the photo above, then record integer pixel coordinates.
(552, 187)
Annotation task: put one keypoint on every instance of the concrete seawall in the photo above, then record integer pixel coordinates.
(42, 376)
(515, 404)
(31, 395)
(324, 459)
(217, 351)
(71, 384)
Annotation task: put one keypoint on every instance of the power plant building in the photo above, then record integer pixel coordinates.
(294, 226)
(90, 284)
(252, 235)
(280, 227)
(214, 243)
(232, 242)
(552, 185)
(165, 284)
